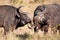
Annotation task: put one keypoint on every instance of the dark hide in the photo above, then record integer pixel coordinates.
(51, 14)
(10, 17)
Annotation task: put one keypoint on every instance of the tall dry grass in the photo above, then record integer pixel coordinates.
(27, 36)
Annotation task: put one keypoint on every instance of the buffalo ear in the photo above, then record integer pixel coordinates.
(41, 8)
(18, 15)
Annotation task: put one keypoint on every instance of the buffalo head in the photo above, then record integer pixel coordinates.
(23, 18)
(39, 19)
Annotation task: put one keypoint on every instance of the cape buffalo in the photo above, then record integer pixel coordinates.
(47, 16)
(11, 18)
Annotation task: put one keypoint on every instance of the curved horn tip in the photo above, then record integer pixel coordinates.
(20, 7)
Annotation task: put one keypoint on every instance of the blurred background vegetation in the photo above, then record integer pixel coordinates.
(22, 2)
